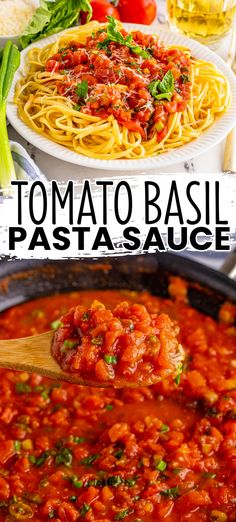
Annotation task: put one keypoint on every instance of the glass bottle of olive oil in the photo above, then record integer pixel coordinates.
(202, 19)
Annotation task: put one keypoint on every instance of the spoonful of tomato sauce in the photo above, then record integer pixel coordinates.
(126, 347)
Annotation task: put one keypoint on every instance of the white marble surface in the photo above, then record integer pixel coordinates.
(59, 170)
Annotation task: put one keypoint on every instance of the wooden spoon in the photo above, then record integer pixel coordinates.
(33, 354)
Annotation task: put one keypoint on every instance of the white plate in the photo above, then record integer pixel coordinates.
(208, 139)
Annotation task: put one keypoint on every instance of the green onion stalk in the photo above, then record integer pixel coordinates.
(9, 65)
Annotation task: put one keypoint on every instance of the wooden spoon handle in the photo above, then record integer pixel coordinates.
(30, 354)
(33, 355)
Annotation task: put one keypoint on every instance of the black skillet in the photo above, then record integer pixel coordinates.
(24, 280)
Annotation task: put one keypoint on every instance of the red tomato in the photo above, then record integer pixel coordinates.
(101, 9)
(138, 12)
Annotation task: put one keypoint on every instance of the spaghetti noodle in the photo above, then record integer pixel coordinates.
(109, 94)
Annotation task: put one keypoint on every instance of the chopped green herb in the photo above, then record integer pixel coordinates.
(109, 407)
(110, 359)
(113, 35)
(85, 508)
(161, 466)
(209, 475)
(171, 493)
(70, 344)
(43, 457)
(22, 387)
(76, 482)
(119, 453)
(163, 89)
(78, 440)
(44, 394)
(164, 428)
(77, 107)
(185, 78)
(179, 371)
(65, 456)
(56, 324)
(115, 481)
(122, 514)
(96, 483)
(52, 514)
(82, 89)
(131, 482)
(86, 315)
(17, 445)
(73, 498)
(88, 461)
(32, 459)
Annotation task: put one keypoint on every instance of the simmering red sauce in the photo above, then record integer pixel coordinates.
(123, 347)
(167, 452)
(106, 78)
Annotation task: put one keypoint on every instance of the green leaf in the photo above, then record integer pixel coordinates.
(164, 428)
(163, 89)
(70, 344)
(82, 89)
(115, 481)
(161, 466)
(185, 78)
(65, 456)
(123, 514)
(85, 508)
(56, 324)
(17, 445)
(110, 359)
(88, 461)
(114, 35)
(171, 493)
(43, 457)
(179, 372)
(22, 387)
(52, 17)
(78, 440)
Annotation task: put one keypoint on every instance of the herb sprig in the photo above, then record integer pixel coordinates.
(114, 35)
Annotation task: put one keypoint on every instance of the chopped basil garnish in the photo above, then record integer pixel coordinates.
(164, 428)
(109, 407)
(85, 508)
(17, 445)
(22, 387)
(65, 456)
(78, 440)
(122, 514)
(56, 324)
(163, 89)
(82, 89)
(88, 461)
(171, 493)
(70, 344)
(113, 35)
(161, 466)
(185, 78)
(179, 371)
(115, 481)
(110, 359)
(209, 475)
